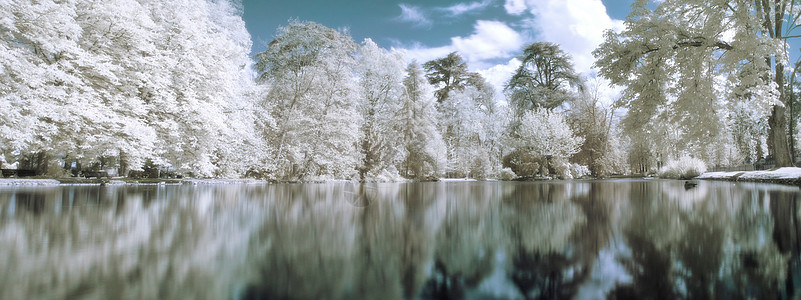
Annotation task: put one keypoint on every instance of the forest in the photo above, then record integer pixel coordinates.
(141, 85)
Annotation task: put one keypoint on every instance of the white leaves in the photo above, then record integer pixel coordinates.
(102, 77)
(545, 133)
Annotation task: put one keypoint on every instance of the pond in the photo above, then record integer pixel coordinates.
(472, 240)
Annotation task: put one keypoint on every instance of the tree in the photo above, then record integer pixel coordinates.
(314, 97)
(668, 60)
(593, 121)
(381, 75)
(546, 133)
(543, 79)
(450, 73)
(472, 124)
(425, 152)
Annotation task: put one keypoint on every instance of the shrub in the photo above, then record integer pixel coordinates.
(579, 171)
(507, 174)
(522, 163)
(683, 168)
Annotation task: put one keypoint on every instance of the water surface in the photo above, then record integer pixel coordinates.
(474, 240)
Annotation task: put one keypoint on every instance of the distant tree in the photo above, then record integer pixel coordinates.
(593, 121)
(448, 74)
(314, 97)
(544, 142)
(425, 151)
(472, 124)
(546, 133)
(381, 75)
(544, 79)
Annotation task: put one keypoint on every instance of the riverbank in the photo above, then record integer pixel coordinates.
(119, 181)
(790, 176)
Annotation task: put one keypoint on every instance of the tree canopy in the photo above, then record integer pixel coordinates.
(543, 79)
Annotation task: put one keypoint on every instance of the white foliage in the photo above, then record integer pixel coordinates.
(314, 96)
(150, 79)
(381, 75)
(425, 151)
(544, 132)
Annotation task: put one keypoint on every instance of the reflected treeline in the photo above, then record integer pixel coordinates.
(476, 240)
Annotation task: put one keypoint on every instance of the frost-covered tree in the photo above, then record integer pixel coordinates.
(472, 124)
(544, 141)
(544, 79)
(669, 60)
(381, 75)
(206, 46)
(314, 96)
(138, 80)
(425, 152)
(545, 133)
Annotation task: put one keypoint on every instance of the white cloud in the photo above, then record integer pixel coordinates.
(423, 54)
(414, 15)
(463, 8)
(491, 40)
(515, 7)
(499, 75)
(576, 25)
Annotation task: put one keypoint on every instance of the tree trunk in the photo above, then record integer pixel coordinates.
(123, 171)
(791, 136)
(778, 125)
(778, 135)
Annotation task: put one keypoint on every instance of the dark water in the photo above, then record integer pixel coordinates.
(475, 240)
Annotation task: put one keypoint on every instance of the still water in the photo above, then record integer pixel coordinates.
(473, 240)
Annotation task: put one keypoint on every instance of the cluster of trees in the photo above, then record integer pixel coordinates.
(358, 111)
(139, 83)
(88, 80)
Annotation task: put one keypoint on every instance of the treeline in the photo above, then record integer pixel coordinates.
(140, 84)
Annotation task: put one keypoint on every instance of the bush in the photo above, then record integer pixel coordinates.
(522, 163)
(579, 171)
(507, 174)
(683, 168)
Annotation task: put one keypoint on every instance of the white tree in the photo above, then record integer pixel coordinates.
(472, 123)
(381, 75)
(138, 79)
(425, 152)
(314, 95)
(669, 58)
(544, 132)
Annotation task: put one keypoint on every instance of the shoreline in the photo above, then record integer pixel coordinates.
(784, 176)
(5, 182)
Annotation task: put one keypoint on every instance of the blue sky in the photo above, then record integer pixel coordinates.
(487, 33)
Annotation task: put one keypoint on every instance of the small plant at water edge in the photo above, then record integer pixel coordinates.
(683, 168)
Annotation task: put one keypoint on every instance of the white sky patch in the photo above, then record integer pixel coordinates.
(515, 7)
(491, 40)
(414, 15)
(423, 54)
(499, 75)
(463, 8)
(576, 25)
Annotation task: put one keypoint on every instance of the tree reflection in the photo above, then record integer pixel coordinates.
(539, 222)
(709, 242)
(580, 239)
